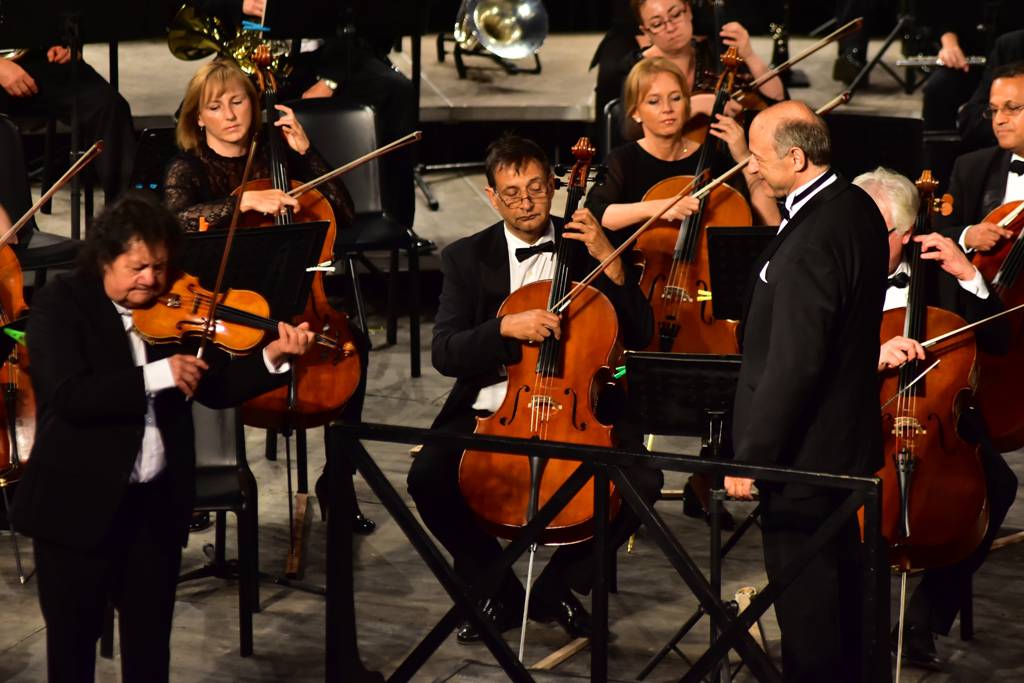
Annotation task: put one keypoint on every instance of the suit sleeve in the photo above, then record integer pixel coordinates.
(461, 348)
(993, 337)
(636, 320)
(230, 382)
(805, 303)
(62, 375)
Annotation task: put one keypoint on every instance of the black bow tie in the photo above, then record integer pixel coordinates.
(523, 253)
(1017, 166)
(899, 280)
(783, 211)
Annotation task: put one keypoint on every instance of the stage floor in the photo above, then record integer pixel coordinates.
(397, 598)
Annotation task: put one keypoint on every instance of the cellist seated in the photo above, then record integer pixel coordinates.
(956, 285)
(473, 344)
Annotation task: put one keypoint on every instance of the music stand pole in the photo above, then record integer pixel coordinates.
(75, 45)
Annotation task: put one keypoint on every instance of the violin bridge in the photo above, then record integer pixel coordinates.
(907, 426)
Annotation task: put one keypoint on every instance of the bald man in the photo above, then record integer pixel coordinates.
(808, 392)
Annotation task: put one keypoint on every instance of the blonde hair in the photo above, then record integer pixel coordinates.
(638, 82)
(897, 193)
(208, 83)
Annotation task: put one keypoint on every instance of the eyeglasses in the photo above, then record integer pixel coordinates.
(536, 192)
(1010, 110)
(674, 16)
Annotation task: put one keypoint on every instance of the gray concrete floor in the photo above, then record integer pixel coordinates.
(397, 598)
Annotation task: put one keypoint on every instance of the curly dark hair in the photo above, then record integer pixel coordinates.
(135, 216)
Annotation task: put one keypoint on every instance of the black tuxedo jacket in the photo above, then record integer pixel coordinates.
(943, 291)
(978, 185)
(467, 342)
(91, 408)
(808, 389)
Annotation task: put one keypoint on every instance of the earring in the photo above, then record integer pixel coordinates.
(637, 119)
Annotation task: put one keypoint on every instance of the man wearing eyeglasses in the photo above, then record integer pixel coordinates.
(991, 177)
(473, 344)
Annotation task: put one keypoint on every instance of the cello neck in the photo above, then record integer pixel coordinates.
(917, 305)
(277, 159)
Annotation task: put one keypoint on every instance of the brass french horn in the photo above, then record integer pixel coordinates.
(510, 29)
(193, 35)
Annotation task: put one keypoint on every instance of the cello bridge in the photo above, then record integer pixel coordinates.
(907, 426)
(544, 404)
(676, 294)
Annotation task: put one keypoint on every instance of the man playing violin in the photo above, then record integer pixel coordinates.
(955, 285)
(107, 494)
(473, 344)
(807, 396)
(988, 178)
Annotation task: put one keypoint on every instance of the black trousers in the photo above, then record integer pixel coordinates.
(944, 92)
(136, 568)
(819, 614)
(433, 483)
(102, 114)
(937, 599)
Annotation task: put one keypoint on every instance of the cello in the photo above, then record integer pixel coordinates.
(675, 259)
(1000, 377)
(551, 397)
(934, 509)
(325, 378)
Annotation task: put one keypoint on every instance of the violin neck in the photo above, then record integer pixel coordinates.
(237, 315)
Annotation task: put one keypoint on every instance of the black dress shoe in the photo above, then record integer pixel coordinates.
(364, 526)
(200, 521)
(570, 614)
(847, 66)
(918, 648)
(503, 617)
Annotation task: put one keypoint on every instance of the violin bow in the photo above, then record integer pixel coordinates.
(75, 169)
(232, 227)
(562, 304)
(847, 28)
(401, 142)
(970, 326)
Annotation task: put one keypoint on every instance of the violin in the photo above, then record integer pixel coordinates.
(934, 510)
(241, 318)
(325, 378)
(1000, 377)
(675, 259)
(19, 404)
(549, 397)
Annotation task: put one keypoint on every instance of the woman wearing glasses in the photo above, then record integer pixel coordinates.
(657, 97)
(667, 30)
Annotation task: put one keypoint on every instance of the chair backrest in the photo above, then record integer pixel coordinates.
(216, 437)
(156, 148)
(342, 133)
(618, 129)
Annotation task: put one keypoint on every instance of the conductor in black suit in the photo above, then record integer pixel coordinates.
(473, 344)
(107, 494)
(988, 178)
(808, 391)
(953, 284)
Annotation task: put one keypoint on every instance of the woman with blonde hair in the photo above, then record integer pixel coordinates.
(219, 116)
(657, 96)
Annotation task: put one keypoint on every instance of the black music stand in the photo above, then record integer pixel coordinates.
(273, 261)
(732, 255)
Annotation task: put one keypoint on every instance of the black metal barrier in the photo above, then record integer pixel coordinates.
(606, 465)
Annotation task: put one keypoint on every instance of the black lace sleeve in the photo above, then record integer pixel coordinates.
(187, 193)
(311, 165)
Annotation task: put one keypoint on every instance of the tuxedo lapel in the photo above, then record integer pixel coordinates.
(995, 184)
(93, 298)
(494, 276)
(792, 227)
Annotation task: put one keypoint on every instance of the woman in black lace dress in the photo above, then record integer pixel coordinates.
(214, 132)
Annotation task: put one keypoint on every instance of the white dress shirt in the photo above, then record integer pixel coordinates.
(896, 297)
(156, 377)
(1014, 193)
(793, 204)
(536, 267)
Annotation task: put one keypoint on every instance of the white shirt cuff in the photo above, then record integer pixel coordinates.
(284, 367)
(963, 241)
(157, 376)
(976, 285)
